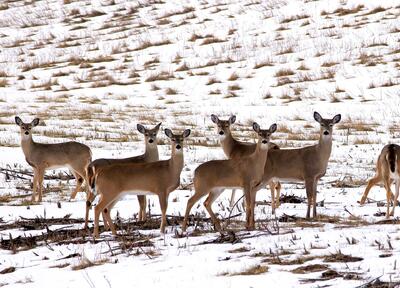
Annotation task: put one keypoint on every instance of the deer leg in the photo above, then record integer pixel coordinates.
(199, 192)
(271, 185)
(252, 195)
(309, 191)
(232, 201)
(315, 198)
(396, 195)
(212, 196)
(35, 185)
(40, 182)
(278, 187)
(163, 199)
(106, 213)
(142, 207)
(372, 182)
(88, 205)
(79, 180)
(386, 183)
(104, 202)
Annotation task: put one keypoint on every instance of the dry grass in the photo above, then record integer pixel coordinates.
(310, 269)
(3, 82)
(264, 63)
(346, 11)
(211, 40)
(86, 263)
(252, 270)
(234, 76)
(294, 18)
(163, 75)
(284, 72)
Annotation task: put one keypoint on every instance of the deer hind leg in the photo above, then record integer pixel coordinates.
(142, 207)
(372, 182)
(396, 195)
(104, 203)
(35, 184)
(386, 183)
(199, 193)
(212, 196)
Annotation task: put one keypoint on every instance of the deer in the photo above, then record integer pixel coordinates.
(306, 164)
(159, 178)
(246, 173)
(150, 155)
(235, 149)
(41, 157)
(387, 171)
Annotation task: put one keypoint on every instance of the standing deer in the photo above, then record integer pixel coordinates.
(246, 173)
(150, 155)
(387, 171)
(160, 178)
(235, 149)
(306, 164)
(41, 157)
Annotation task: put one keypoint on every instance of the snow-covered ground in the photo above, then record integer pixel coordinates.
(91, 70)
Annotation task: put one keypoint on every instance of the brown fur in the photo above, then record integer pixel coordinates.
(388, 161)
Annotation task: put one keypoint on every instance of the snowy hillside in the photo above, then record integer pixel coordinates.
(92, 70)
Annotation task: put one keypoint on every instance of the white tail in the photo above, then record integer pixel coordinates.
(387, 171)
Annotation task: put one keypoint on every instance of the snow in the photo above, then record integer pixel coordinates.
(352, 63)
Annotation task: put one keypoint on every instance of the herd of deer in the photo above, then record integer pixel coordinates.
(249, 167)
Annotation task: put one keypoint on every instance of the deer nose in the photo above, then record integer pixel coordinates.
(264, 141)
(221, 132)
(151, 140)
(326, 133)
(26, 133)
(178, 146)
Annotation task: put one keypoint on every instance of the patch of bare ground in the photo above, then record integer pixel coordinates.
(310, 269)
(342, 258)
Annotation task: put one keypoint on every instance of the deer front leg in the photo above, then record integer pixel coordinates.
(163, 199)
(35, 185)
(278, 188)
(40, 183)
(309, 191)
(315, 198)
(142, 207)
(271, 185)
(214, 194)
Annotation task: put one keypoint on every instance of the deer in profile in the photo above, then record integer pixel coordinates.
(235, 149)
(150, 155)
(159, 178)
(387, 171)
(212, 177)
(41, 157)
(306, 164)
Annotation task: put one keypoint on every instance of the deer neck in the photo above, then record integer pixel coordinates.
(27, 144)
(228, 143)
(259, 157)
(324, 146)
(151, 152)
(176, 163)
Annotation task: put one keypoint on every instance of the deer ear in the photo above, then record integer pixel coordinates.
(336, 119)
(186, 133)
(317, 117)
(214, 118)
(273, 127)
(256, 127)
(232, 119)
(141, 128)
(158, 126)
(18, 121)
(168, 132)
(35, 122)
